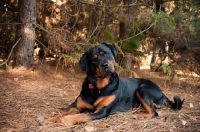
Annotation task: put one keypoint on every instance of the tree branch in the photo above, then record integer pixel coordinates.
(11, 52)
(99, 5)
(141, 31)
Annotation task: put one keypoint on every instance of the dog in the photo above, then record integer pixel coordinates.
(104, 93)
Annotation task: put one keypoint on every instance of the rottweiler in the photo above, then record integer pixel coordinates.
(104, 93)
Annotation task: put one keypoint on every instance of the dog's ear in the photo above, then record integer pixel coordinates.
(83, 62)
(113, 48)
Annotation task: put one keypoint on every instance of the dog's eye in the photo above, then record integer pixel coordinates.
(101, 52)
(95, 56)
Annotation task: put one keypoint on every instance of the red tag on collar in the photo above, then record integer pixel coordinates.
(91, 86)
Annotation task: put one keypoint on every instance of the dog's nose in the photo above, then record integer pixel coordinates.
(105, 65)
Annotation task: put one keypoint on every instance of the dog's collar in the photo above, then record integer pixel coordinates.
(91, 86)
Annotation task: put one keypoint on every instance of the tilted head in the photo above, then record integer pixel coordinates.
(99, 60)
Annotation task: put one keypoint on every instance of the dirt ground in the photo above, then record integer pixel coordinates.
(27, 96)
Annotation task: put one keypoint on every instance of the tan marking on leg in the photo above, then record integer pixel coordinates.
(82, 105)
(104, 101)
(75, 119)
(58, 117)
(148, 109)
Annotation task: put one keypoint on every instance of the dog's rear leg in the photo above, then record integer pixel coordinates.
(145, 99)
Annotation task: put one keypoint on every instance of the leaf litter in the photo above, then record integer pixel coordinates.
(27, 97)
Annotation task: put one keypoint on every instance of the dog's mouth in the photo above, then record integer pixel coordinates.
(105, 72)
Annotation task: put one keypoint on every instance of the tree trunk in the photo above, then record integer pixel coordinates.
(127, 61)
(23, 55)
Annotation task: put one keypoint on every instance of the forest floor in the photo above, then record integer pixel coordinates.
(27, 96)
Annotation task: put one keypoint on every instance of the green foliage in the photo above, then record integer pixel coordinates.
(132, 44)
(109, 35)
(164, 24)
(80, 48)
(188, 17)
(94, 40)
(168, 70)
(3, 67)
(73, 58)
(136, 36)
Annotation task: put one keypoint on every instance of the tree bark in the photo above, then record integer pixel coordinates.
(23, 55)
(127, 61)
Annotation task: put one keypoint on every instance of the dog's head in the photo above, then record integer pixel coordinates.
(99, 60)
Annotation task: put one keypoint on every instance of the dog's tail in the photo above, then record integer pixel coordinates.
(177, 104)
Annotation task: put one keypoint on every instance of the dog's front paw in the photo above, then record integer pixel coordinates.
(48, 121)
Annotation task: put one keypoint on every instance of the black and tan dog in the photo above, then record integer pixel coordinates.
(104, 93)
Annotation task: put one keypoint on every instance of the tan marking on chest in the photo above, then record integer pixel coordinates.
(103, 82)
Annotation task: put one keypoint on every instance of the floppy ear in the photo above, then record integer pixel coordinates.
(113, 48)
(83, 62)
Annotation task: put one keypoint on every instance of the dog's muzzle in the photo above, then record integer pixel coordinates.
(106, 69)
(105, 65)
